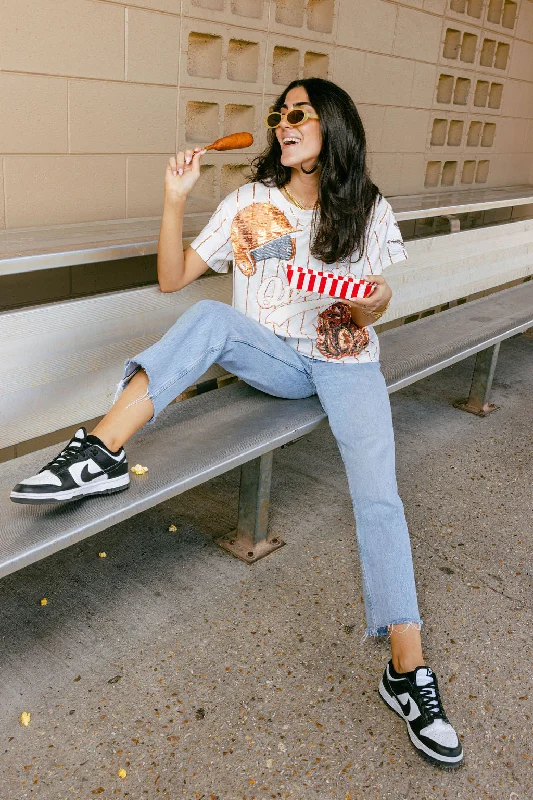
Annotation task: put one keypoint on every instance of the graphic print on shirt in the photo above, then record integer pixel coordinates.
(258, 232)
(337, 334)
(261, 232)
(285, 302)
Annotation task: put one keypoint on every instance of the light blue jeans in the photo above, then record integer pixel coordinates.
(355, 399)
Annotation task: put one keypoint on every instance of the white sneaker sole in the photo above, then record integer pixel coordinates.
(443, 761)
(102, 487)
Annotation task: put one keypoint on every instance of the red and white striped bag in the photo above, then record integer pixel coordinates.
(331, 283)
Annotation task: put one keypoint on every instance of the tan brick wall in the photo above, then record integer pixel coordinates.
(96, 94)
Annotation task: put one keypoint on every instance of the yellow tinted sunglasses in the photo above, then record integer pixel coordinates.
(296, 116)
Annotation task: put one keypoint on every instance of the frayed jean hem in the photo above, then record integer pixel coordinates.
(131, 367)
(384, 630)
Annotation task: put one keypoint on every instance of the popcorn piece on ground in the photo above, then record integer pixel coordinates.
(172, 529)
(25, 718)
(44, 601)
(138, 469)
(102, 555)
(122, 773)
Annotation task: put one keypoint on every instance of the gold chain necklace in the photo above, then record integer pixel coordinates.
(296, 202)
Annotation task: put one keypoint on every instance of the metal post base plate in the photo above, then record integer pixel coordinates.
(243, 548)
(464, 405)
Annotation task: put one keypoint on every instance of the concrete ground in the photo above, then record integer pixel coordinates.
(206, 678)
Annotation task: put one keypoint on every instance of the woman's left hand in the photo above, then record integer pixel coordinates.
(377, 299)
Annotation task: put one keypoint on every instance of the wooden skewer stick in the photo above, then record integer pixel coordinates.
(233, 142)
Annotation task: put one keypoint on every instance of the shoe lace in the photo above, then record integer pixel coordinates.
(71, 453)
(431, 702)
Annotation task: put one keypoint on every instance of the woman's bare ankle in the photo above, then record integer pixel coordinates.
(407, 666)
(406, 647)
(133, 409)
(108, 439)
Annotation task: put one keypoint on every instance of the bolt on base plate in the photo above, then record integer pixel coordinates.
(243, 548)
(482, 411)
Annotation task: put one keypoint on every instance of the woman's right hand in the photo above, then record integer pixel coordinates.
(182, 173)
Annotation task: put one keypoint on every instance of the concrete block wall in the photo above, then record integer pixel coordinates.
(97, 94)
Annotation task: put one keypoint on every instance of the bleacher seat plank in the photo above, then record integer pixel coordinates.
(411, 352)
(459, 201)
(52, 246)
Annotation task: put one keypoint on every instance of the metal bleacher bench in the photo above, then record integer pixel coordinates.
(60, 364)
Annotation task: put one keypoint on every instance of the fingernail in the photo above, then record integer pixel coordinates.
(188, 160)
(180, 171)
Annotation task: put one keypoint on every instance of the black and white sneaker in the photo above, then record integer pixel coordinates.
(415, 698)
(85, 467)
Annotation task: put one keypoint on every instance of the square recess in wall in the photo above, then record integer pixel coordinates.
(495, 95)
(488, 48)
(316, 65)
(469, 170)
(502, 55)
(320, 15)
(432, 173)
(468, 48)
(474, 8)
(461, 91)
(247, 8)
(448, 173)
(285, 65)
(474, 133)
(509, 14)
(290, 12)
(232, 176)
(445, 89)
(487, 138)
(204, 55)
(438, 133)
(481, 93)
(494, 12)
(482, 171)
(238, 118)
(455, 132)
(243, 60)
(201, 122)
(452, 43)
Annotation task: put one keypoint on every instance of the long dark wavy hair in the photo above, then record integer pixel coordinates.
(345, 193)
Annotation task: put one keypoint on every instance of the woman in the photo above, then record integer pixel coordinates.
(311, 203)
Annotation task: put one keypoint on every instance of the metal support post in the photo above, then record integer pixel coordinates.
(250, 541)
(478, 400)
(455, 222)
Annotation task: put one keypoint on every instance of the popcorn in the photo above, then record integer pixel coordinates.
(172, 529)
(122, 773)
(25, 718)
(102, 555)
(44, 601)
(333, 283)
(138, 469)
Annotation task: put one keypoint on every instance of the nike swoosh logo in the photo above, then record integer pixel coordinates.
(406, 707)
(86, 476)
